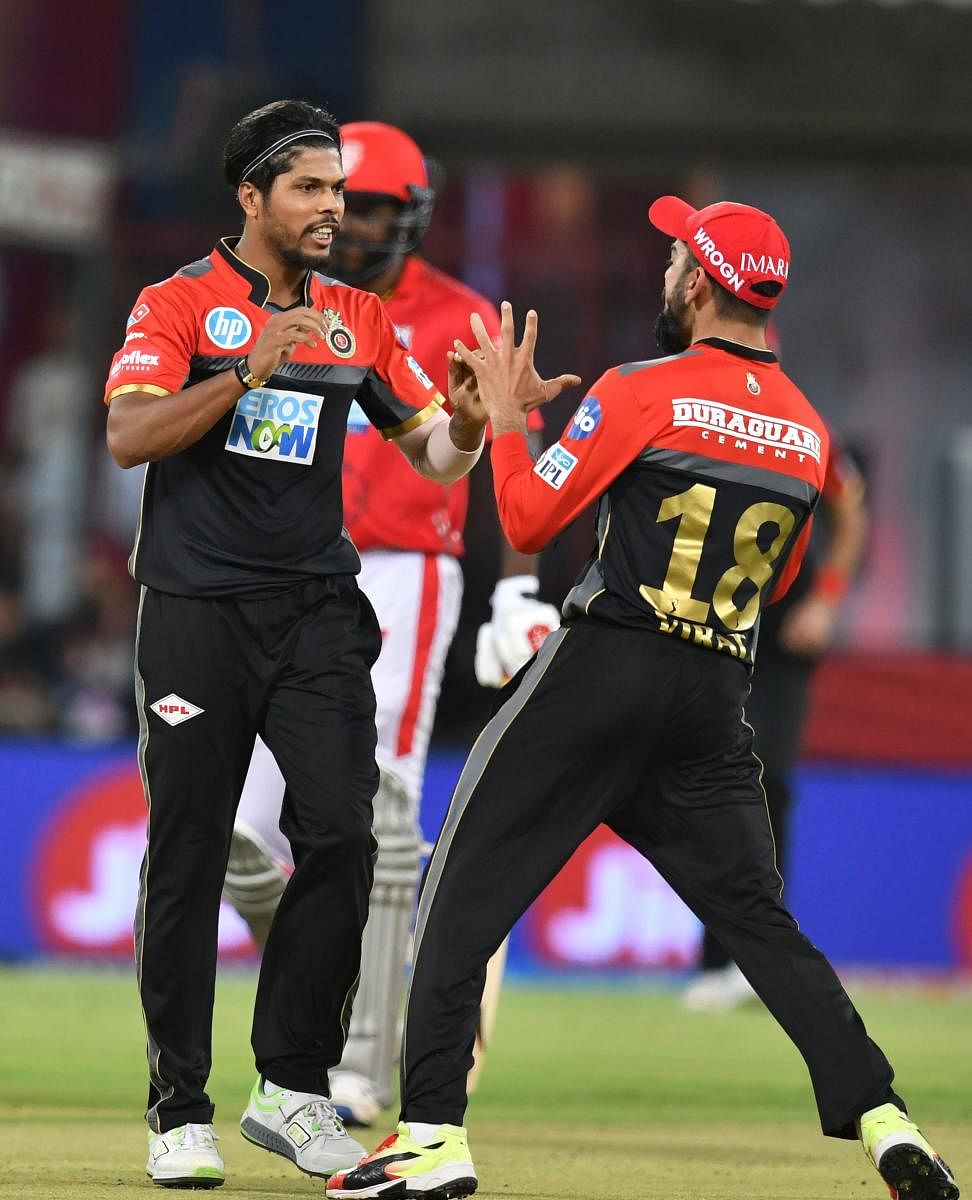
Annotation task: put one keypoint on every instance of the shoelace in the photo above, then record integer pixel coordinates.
(198, 1137)
(324, 1118)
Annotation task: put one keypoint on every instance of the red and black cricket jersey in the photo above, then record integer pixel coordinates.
(706, 467)
(254, 506)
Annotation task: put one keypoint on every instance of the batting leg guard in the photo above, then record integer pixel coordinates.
(373, 1039)
(254, 881)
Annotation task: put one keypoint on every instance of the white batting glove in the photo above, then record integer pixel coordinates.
(519, 624)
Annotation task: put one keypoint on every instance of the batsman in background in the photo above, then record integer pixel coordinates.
(409, 533)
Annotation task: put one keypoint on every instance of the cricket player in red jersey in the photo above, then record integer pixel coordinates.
(409, 533)
(234, 386)
(706, 467)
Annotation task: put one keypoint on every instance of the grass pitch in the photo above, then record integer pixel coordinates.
(615, 1094)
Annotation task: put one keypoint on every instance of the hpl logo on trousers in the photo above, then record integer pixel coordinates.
(174, 710)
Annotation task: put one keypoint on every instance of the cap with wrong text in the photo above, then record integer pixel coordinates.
(738, 246)
(381, 159)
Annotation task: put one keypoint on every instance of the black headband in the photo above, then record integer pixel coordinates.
(279, 145)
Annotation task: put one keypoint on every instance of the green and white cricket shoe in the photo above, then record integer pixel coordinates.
(903, 1158)
(301, 1126)
(185, 1157)
(403, 1168)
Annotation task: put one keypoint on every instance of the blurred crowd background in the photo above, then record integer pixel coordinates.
(555, 124)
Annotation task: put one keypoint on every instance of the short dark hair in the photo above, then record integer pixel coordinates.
(255, 133)
(733, 307)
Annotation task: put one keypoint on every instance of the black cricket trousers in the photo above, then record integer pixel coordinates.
(777, 711)
(646, 735)
(295, 668)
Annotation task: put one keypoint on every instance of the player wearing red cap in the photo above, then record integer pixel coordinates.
(706, 467)
(408, 532)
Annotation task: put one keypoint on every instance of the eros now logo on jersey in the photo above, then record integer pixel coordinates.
(269, 423)
(776, 432)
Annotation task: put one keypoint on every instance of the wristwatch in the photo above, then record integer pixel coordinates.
(246, 376)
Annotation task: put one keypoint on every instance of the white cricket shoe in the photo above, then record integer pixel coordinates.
(355, 1097)
(185, 1157)
(301, 1126)
(718, 990)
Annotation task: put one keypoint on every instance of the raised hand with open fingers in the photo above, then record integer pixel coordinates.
(509, 384)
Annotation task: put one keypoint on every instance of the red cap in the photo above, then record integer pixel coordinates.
(735, 244)
(380, 158)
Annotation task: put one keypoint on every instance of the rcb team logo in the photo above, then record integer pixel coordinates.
(339, 338)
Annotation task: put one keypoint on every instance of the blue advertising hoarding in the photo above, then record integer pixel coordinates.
(880, 874)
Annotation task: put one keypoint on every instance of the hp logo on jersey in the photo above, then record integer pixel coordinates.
(228, 328)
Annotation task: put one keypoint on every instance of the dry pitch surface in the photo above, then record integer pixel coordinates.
(613, 1094)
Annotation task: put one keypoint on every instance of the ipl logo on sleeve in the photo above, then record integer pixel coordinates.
(554, 465)
(586, 420)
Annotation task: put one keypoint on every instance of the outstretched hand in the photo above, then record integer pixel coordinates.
(509, 385)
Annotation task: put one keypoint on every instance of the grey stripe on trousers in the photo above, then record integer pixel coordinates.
(476, 764)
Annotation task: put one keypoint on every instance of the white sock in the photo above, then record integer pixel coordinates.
(423, 1133)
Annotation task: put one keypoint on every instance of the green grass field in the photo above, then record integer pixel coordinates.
(613, 1094)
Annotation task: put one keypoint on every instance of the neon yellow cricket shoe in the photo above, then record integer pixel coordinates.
(401, 1168)
(903, 1158)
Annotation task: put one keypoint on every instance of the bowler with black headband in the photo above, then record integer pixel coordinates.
(234, 385)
